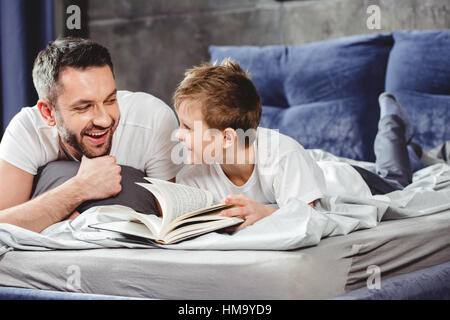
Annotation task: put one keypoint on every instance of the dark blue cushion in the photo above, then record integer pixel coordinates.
(334, 122)
(265, 65)
(324, 94)
(418, 74)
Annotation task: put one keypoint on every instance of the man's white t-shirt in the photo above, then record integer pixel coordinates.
(283, 170)
(142, 139)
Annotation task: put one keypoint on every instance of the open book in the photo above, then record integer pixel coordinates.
(186, 212)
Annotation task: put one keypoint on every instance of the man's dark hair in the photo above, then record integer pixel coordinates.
(72, 52)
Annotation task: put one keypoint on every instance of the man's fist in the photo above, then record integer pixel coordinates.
(99, 178)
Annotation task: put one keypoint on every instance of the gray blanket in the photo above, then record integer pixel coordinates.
(294, 226)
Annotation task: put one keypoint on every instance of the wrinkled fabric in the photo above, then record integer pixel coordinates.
(293, 226)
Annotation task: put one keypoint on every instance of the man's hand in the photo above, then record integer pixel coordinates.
(247, 209)
(99, 178)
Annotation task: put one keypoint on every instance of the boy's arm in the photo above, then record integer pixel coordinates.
(247, 209)
(299, 176)
(96, 179)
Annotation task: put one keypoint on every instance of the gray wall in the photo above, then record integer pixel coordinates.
(153, 41)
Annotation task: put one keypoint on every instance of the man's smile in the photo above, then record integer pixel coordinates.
(97, 137)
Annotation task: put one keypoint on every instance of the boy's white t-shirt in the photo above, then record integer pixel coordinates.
(142, 139)
(283, 170)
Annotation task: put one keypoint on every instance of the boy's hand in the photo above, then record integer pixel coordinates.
(247, 209)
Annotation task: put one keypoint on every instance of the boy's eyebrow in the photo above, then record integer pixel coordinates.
(83, 101)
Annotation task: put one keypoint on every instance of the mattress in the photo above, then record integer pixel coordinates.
(333, 267)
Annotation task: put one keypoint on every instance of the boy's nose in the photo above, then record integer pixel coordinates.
(179, 135)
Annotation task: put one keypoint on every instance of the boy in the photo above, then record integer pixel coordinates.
(255, 169)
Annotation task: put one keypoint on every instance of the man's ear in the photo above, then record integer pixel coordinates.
(229, 137)
(47, 112)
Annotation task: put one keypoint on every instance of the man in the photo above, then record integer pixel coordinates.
(80, 116)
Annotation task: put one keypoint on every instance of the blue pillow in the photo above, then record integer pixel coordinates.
(418, 74)
(265, 65)
(328, 129)
(323, 94)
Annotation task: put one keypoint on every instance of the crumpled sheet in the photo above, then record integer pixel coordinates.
(294, 226)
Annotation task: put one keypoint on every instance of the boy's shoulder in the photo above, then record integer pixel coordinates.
(191, 172)
(275, 145)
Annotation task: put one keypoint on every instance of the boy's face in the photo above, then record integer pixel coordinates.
(202, 143)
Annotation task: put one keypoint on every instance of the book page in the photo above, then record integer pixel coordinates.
(179, 199)
(191, 220)
(126, 227)
(151, 221)
(192, 230)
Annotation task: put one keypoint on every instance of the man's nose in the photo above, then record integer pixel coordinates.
(101, 117)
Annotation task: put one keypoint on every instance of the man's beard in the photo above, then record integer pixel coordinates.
(70, 138)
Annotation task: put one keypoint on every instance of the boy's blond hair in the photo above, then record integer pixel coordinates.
(228, 97)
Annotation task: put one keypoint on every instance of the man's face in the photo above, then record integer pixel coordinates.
(86, 111)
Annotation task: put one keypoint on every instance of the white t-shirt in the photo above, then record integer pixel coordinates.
(142, 139)
(283, 170)
(341, 178)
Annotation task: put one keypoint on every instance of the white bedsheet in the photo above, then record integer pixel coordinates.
(294, 226)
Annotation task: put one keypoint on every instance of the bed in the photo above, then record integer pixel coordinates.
(411, 256)
(335, 267)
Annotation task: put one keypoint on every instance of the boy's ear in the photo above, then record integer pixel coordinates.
(230, 137)
(47, 112)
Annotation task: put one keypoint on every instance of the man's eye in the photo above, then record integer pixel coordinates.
(112, 101)
(83, 108)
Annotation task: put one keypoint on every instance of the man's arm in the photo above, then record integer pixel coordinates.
(40, 212)
(15, 186)
(96, 179)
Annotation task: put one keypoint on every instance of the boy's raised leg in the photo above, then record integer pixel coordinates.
(394, 132)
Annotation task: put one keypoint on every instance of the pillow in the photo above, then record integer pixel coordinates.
(132, 195)
(430, 115)
(265, 65)
(418, 74)
(333, 86)
(332, 132)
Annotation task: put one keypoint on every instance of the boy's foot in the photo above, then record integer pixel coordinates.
(390, 106)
